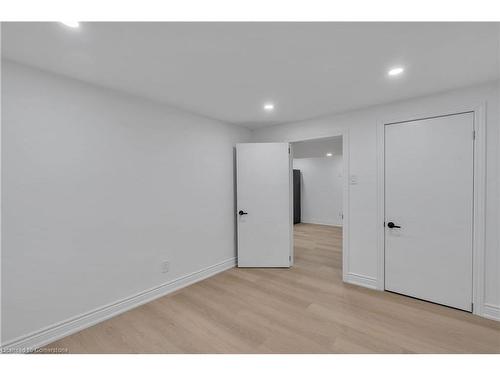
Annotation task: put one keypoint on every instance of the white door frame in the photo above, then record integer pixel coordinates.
(478, 243)
(345, 191)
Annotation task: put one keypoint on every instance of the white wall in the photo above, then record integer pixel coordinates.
(361, 126)
(98, 189)
(321, 189)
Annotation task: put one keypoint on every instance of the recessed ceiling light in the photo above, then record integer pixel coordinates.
(72, 24)
(329, 154)
(268, 107)
(395, 71)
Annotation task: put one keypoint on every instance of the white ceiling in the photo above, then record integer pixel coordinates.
(228, 70)
(317, 148)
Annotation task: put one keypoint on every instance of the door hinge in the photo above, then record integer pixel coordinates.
(290, 258)
(472, 307)
(288, 150)
(473, 135)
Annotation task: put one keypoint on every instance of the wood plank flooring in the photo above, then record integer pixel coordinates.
(305, 309)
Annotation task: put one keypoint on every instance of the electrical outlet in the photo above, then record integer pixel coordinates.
(165, 266)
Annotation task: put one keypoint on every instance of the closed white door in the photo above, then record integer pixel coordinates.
(429, 209)
(264, 211)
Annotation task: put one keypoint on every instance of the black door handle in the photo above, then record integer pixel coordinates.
(242, 213)
(390, 224)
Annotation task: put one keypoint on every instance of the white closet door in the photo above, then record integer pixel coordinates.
(429, 195)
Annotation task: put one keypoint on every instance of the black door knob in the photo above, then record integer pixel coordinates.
(242, 213)
(390, 224)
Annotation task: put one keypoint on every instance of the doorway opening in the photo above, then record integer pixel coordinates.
(318, 208)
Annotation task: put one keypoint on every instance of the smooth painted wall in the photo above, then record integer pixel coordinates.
(362, 157)
(98, 189)
(321, 189)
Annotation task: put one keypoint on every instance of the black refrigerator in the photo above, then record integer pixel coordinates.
(296, 196)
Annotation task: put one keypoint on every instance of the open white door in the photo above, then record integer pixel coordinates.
(429, 209)
(264, 211)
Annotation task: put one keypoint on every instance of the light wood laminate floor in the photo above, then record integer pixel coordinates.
(305, 309)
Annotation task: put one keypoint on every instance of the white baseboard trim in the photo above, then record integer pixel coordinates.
(34, 340)
(360, 280)
(491, 311)
(319, 223)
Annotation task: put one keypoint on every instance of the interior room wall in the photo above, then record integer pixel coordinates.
(362, 157)
(321, 189)
(99, 188)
